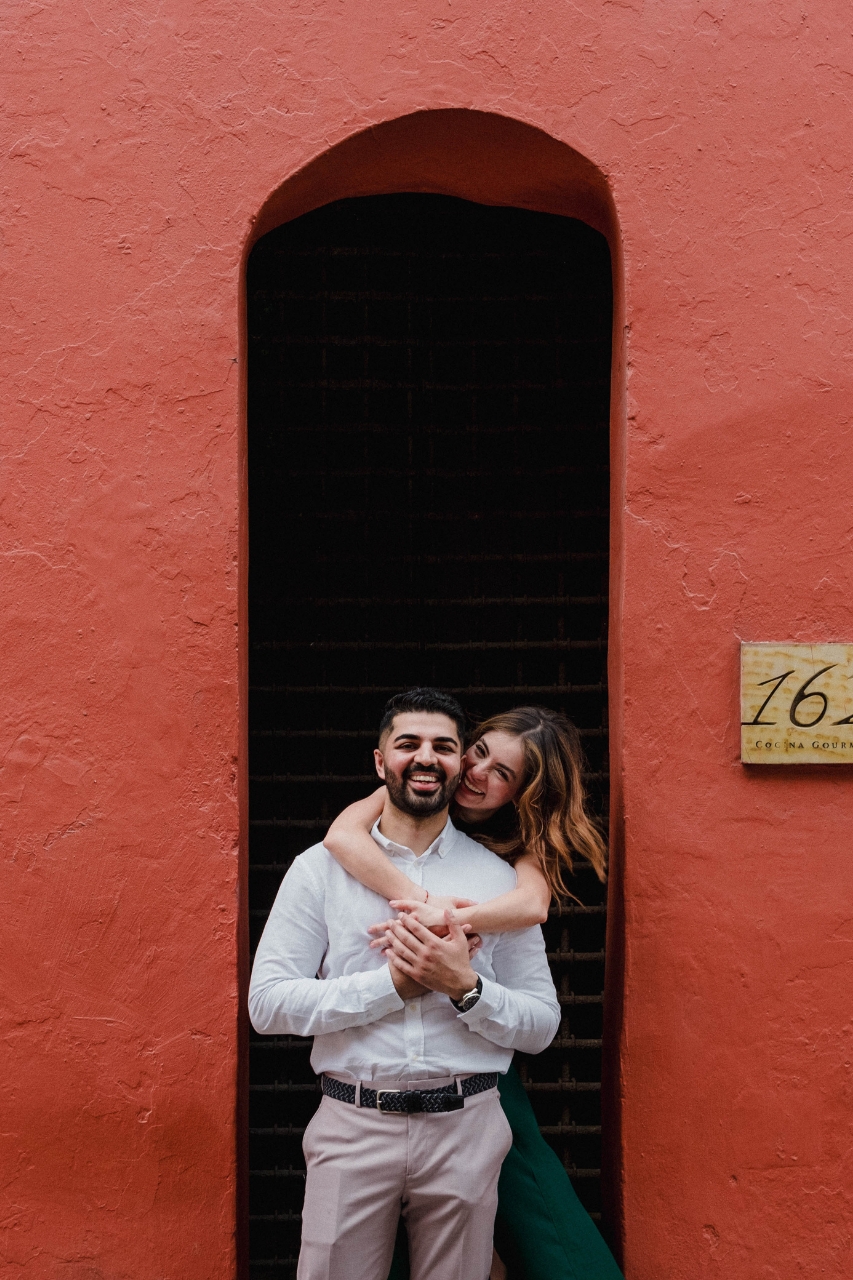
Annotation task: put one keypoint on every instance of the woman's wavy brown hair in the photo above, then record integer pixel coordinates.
(550, 806)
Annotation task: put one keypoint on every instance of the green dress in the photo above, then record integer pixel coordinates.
(542, 1231)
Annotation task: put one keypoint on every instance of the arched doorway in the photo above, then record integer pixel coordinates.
(428, 492)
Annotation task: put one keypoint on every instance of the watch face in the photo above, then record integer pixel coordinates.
(470, 998)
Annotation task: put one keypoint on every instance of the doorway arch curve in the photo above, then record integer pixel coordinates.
(476, 155)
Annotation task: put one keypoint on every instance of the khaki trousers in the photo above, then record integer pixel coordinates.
(365, 1168)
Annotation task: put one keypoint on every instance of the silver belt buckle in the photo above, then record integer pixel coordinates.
(379, 1095)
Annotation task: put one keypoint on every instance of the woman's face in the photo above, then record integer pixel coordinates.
(492, 772)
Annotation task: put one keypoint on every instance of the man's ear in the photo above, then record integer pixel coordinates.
(379, 761)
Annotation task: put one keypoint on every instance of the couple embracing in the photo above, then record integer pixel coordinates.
(414, 1031)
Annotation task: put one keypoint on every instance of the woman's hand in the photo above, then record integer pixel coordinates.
(443, 902)
(430, 914)
(441, 930)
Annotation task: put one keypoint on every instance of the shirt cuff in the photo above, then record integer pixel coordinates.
(491, 997)
(379, 993)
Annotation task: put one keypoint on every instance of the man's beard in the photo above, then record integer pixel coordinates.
(415, 805)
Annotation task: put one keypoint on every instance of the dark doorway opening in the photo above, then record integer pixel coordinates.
(428, 501)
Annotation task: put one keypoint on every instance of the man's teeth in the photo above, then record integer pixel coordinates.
(424, 777)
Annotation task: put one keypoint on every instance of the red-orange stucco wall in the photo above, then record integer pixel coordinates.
(140, 143)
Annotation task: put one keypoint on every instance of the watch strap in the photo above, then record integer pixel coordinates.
(466, 1002)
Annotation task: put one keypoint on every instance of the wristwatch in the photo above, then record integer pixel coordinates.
(469, 999)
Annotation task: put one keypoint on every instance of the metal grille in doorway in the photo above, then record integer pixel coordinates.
(428, 455)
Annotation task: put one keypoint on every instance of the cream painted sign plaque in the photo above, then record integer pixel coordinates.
(796, 703)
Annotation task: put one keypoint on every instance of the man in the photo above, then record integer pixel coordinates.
(408, 1044)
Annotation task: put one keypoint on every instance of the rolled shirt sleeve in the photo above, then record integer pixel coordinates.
(519, 1008)
(285, 995)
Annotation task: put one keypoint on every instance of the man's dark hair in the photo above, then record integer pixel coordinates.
(432, 700)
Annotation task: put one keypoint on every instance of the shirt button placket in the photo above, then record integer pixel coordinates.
(418, 1034)
(410, 1030)
(413, 1025)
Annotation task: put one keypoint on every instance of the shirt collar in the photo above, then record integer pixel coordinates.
(439, 847)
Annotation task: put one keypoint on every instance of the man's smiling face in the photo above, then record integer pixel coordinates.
(420, 759)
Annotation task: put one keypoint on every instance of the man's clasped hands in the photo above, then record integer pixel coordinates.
(427, 949)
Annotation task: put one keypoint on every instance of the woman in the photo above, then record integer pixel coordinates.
(522, 795)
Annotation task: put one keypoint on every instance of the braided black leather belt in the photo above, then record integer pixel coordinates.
(410, 1101)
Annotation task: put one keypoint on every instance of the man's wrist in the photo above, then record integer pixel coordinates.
(458, 992)
(407, 988)
(469, 999)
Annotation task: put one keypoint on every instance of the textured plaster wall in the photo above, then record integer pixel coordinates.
(139, 143)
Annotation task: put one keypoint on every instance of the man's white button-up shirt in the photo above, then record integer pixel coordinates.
(314, 974)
